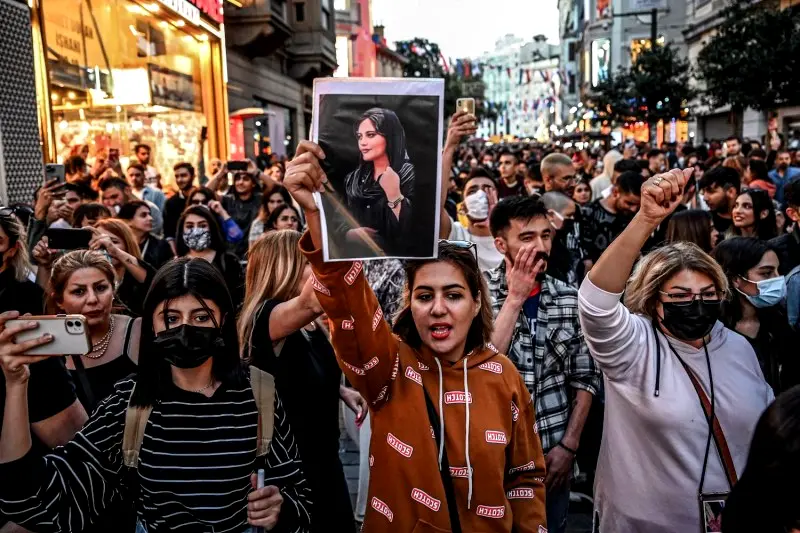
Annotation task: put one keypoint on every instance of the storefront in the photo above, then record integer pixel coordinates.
(117, 73)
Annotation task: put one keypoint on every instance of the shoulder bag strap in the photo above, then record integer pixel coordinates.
(447, 481)
(719, 436)
(133, 434)
(263, 385)
(83, 380)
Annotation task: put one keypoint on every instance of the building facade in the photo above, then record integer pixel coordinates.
(523, 87)
(111, 74)
(275, 49)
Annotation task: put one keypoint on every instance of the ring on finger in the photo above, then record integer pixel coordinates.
(657, 180)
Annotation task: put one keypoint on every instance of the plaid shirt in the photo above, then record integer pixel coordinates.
(552, 357)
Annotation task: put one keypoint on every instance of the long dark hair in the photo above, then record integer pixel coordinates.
(205, 191)
(737, 255)
(765, 498)
(273, 217)
(692, 225)
(263, 212)
(766, 228)
(181, 277)
(217, 241)
(480, 331)
(389, 127)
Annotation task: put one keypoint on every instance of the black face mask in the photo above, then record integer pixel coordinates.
(188, 346)
(690, 322)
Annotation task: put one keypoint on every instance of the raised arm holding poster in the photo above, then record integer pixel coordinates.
(382, 140)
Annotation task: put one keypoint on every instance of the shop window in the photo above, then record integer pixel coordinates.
(123, 73)
(299, 12)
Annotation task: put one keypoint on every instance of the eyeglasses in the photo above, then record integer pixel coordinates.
(686, 298)
(7, 212)
(463, 245)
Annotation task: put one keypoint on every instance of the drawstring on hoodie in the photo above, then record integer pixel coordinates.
(441, 413)
(657, 390)
(469, 465)
(441, 426)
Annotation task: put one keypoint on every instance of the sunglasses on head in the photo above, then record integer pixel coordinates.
(461, 245)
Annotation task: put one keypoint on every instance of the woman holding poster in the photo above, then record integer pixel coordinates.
(379, 192)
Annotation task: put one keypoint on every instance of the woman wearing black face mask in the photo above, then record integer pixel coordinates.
(673, 372)
(201, 442)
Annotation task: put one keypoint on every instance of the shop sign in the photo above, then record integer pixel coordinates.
(210, 8)
(185, 9)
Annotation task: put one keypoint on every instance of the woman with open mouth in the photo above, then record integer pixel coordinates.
(454, 444)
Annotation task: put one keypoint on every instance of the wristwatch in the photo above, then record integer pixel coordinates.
(394, 204)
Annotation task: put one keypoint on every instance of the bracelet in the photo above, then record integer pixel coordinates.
(395, 203)
(570, 450)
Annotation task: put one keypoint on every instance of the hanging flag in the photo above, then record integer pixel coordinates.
(528, 74)
(467, 68)
(459, 67)
(476, 69)
(520, 77)
(508, 71)
(444, 62)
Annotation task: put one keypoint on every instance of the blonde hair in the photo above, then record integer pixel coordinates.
(274, 269)
(68, 264)
(21, 261)
(657, 267)
(122, 231)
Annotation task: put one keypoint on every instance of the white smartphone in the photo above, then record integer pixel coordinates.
(70, 334)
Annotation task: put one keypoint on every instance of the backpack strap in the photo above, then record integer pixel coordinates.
(133, 435)
(263, 385)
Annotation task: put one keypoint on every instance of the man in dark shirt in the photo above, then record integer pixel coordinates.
(720, 187)
(184, 179)
(508, 184)
(787, 246)
(242, 203)
(605, 218)
(567, 252)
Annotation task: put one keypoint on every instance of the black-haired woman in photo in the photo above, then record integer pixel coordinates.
(380, 191)
(194, 468)
(755, 309)
(765, 498)
(199, 235)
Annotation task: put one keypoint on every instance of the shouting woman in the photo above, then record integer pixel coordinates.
(453, 431)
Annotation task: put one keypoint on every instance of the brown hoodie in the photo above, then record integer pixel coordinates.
(485, 413)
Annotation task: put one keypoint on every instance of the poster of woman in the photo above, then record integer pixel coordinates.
(382, 140)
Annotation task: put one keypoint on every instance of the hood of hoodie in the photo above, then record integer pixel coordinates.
(475, 358)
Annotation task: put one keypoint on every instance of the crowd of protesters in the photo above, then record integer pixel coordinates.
(625, 320)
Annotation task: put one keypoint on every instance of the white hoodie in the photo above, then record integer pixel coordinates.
(652, 450)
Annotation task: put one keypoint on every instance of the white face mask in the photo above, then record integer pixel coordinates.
(116, 209)
(477, 206)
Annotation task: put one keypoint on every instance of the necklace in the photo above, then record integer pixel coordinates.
(102, 345)
(211, 384)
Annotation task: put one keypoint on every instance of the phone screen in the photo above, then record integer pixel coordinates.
(237, 166)
(52, 171)
(68, 238)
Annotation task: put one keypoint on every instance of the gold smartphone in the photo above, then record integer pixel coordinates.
(70, 334)
(467, 105)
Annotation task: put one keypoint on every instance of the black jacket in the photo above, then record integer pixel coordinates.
(787, 246)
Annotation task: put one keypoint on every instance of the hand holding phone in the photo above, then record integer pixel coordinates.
(238, 166)
(68, 238)
(56, 172)
(13, 360)
(467, 105)
(60, 334)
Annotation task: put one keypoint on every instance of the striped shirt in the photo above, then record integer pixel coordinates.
(194, 468)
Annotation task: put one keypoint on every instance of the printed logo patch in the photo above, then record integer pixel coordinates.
(542, 529)
(520, 493)
(381, 395)
(426, 499)
(433, 435)
(491, 512)
(514, 412)
(457, 397)
(376, 318)
(319, 287)
(524, 468)
(349, 325)
(496, 437)
(402, 448)
(371, 460)
(396, 366)
(382, 508)
(459, 471)
(492, 347)
(354, 369)
(372, 363)
(536, 427)
(352, 274)
(492, 366)
(413, 375)
(423, 366)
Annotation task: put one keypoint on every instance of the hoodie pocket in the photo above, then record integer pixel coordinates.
(424, 527)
